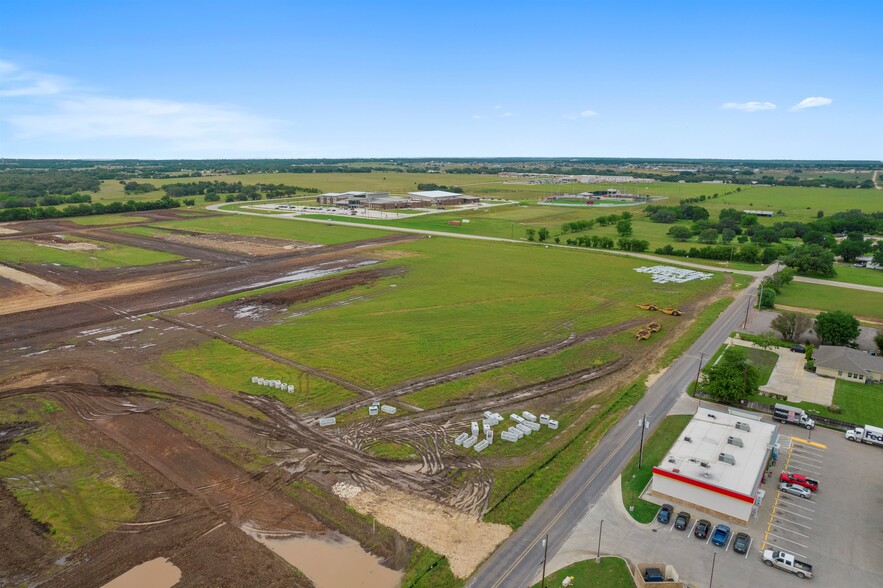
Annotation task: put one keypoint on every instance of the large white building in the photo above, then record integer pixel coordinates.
(717, 465)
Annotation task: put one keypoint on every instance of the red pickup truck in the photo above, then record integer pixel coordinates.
(800, 480)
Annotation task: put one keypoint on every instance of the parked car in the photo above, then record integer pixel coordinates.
(682, 521)
(798, 349)
(741, 542)
(721, 535)
(702, 529)
(795, 490)
(664, 515)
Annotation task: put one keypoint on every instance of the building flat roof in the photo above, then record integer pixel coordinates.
(696, 454)
(432, 194)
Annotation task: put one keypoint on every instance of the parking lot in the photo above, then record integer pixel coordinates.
(837, 529)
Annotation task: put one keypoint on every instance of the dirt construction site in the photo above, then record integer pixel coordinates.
(112, 455)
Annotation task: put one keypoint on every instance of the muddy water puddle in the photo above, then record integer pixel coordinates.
(331, 560)
(156, 573)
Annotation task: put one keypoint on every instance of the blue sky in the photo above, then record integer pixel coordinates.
(192, 79)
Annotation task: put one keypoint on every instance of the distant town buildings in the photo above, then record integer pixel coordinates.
(383, 200)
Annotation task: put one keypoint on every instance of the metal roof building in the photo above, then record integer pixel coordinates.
(718, 464)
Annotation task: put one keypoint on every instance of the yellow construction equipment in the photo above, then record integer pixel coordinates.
(643, 334)
(648, 306)
(654, 326)
(672, 311)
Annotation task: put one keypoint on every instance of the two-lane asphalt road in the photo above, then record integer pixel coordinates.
(518, 560)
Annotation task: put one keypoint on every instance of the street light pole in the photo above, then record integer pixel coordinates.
(601, 530)
(545, 553)
(643, 426)
(698, 371)
(711, 579)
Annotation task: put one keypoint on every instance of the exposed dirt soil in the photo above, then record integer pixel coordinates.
(234, 243)
(462, 538)
(30, 280)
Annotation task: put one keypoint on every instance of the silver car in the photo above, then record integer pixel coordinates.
(795, 490)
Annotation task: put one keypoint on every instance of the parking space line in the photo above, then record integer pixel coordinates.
(781, 528)
(801, 507)
(789, 541)
(809, 448)
(783, 519)
(750, 543)
(799, 456)
(796, 514)
(810, 443)
(696, 522)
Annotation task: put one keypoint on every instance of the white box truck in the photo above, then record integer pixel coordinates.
(791, 414)
(866, 434)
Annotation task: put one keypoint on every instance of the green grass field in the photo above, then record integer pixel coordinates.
(858, 275)
(862, 304)
(111, 254)
(634, 479)
(393, 450)
(524, 373)
(861, 403)
(78, 493)
(492, 299)
(612, 572)
(232, 368)
(274, 228)
(107, 219)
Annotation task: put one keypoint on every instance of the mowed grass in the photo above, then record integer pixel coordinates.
(462, 301)
(858, 275)
(583, 356)
(634, 478)
(232, 368)
(393, 450)
(276, 228)
(861, 403)
(107, 219)
(68, 488)
(611, 572)
(861, 303)
(110, 254)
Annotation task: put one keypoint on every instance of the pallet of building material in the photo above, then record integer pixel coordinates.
(469, 441)
(388, 409)
(460, 438)
(544, 419)
(523, 429)
(516, 418)
(532, 426)
(489, 436)
(528, 416)
(481, 445)
(507, 436)
(516, 432)
(327, 421)
(373, 410)
(553, 424)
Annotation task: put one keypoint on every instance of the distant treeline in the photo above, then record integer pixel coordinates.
(34, 184)
(212, 190)
(22, 214)
(9, 201)
(429, 187)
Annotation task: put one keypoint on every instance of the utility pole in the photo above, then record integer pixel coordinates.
(545, 554)
(643, 424)
(711, 579)
(601, 530)
(698, 371)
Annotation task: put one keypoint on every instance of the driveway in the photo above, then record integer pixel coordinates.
(791, 379)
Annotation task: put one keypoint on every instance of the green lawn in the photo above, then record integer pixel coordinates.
(393, 450)
(612, 572)
(858, 275)
(860, 303)
(635, 479)
(524, 373)
(230, 367)
(237, 224)
(79, 494)
(494, 298)
(107, 219)
(861, 403)
(111, 254)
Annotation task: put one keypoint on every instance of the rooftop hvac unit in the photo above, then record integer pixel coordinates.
(704, 464)
(727, 458)
(735, 441)
(706, 475)
(743, 426)
(672, 460)
(688, 439)
(711, 416)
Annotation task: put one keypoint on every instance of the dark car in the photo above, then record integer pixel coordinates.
(664, 515)
(721, 535)
(702, 529)
(741, 542)
(682, 521)
(798, 349)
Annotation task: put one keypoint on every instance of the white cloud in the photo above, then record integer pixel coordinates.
(507, 114)
(476, 116)
(812, 102)
(749, 106)
(587, 113)
(193, 128)
(189, 125)
(497, 107)
(15, 81)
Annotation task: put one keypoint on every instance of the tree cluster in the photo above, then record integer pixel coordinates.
(22, 214)
(36, 183)
(429, 187)
(732, 378)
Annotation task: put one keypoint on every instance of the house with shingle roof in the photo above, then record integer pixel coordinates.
(848, 364)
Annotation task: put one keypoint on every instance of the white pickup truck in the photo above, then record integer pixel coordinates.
(786, 561)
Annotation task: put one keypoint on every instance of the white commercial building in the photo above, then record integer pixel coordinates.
(717, 465)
